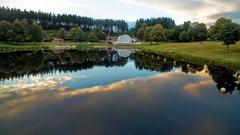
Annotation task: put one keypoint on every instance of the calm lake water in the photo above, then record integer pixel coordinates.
(114, 93)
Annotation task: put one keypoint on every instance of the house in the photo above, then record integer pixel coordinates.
(58, 40)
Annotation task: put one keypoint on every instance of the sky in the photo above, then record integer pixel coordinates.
(206, 11)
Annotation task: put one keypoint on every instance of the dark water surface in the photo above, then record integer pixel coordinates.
(104, 93)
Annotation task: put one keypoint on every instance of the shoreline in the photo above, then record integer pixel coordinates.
(210, 52)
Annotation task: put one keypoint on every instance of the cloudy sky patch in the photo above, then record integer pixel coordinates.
(206, 11)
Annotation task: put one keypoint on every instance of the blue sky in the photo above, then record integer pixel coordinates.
(206, 11)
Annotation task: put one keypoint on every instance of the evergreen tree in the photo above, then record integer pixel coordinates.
(57, 21)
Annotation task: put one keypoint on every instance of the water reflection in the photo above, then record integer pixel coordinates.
(18, 65)
(142, 104)
(48, 93)
(226, 79)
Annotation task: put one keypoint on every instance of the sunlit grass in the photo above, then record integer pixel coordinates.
(214, 52)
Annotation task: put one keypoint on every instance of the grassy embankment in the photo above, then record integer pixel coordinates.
(5, 48)
(209, 52)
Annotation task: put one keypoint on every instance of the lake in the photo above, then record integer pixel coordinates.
(115, 92)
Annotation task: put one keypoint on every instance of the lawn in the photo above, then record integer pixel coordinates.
(214, 52)
(29, 46)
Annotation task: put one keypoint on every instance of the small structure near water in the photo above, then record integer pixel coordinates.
(126, 40)
(58, 40)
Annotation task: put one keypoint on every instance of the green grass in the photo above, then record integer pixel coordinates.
(29, 46)
(5, 48)
(211, 52)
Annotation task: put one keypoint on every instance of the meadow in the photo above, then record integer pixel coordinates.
(212, 52)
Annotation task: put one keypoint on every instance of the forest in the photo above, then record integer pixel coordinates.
(56, 21)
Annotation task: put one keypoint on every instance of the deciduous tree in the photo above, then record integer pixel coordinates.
(92, 37)
(158, 33)
(61, 33)
(77, 34)
(229, 33)
(36, 33)
(199, 32)
(184, 36)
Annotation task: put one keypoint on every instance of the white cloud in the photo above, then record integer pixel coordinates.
(206, 11)
(32, 85)
(196, 10)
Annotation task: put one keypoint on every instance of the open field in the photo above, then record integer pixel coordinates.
(213, 52)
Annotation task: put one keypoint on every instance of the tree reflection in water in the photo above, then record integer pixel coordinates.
(20, 64)
(17, 65)
(227, 79)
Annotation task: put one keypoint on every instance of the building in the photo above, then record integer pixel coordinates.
(58, 40)
(124, 39)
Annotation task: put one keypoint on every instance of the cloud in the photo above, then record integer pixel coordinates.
(235, 15)
(20, 97)
(197, 10)
(195, 87)
(32, 86)
(206, 11)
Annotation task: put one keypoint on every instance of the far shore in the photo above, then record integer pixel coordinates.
(209, 52)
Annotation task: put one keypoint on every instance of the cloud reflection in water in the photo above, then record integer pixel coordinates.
(36, 90)
(160, 98)
(32, 85)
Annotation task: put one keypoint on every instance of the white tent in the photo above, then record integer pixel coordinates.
(124, 52)
(124, 39)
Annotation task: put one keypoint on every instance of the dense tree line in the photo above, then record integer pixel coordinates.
(224, 30)
(167, 23)
(78, 35)
(20, 32)
(181, 33)
(57, 21)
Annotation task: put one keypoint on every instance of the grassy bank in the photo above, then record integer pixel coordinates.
(209, 52)
(6, 48)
